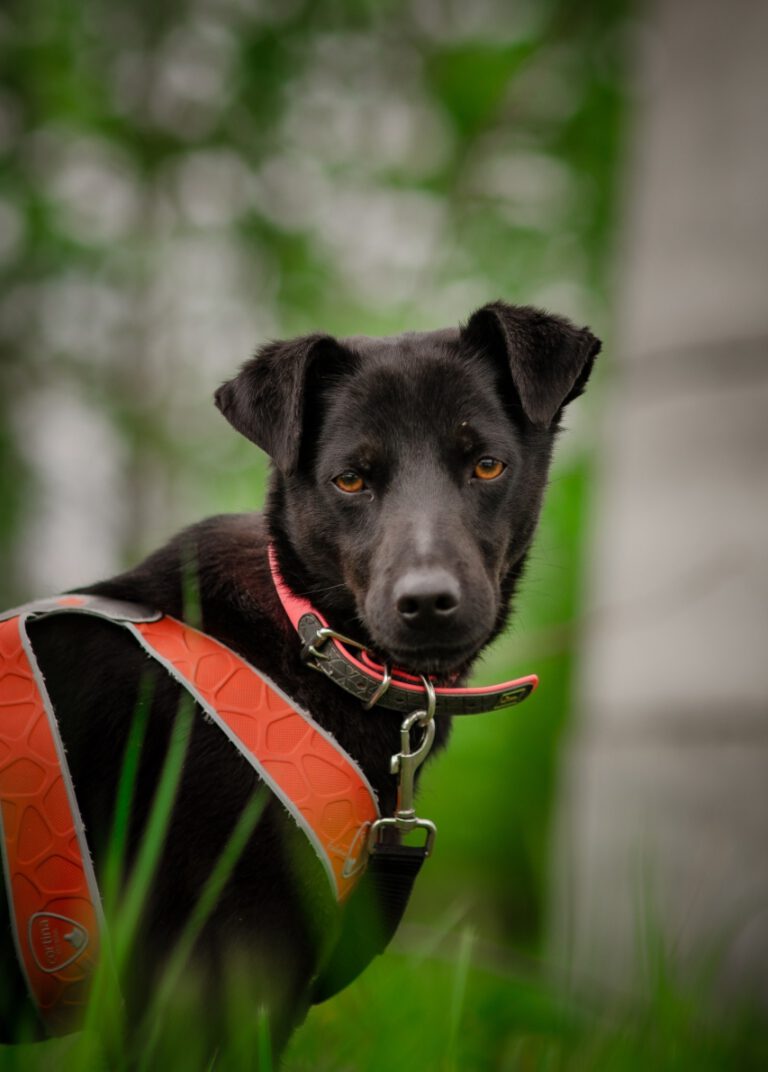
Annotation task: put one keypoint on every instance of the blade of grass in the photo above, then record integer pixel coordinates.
(212, 890)
(104, 1025)
(192, 608)
(264, 1042)
(105, 1003)
(113, 868)
(154, 836)
(458, 996)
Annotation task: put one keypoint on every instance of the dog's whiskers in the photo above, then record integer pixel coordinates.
(320, 591)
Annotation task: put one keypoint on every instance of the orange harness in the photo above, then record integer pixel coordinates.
(53, 895)
(52, 891)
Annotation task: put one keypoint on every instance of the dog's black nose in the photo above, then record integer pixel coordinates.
(427, 597)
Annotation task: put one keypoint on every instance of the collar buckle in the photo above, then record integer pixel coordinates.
(320, 638)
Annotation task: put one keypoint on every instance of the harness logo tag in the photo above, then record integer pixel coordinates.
(55, 941)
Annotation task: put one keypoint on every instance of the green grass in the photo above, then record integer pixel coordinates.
(468, 1011)
(442, 1002)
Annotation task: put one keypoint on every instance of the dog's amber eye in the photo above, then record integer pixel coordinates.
(489, 468)
(349, 481)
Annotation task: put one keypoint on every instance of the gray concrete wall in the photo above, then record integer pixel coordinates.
(663, 814)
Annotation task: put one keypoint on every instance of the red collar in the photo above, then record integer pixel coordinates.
(377, 684)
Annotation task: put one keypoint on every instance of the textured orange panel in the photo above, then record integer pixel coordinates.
(319, 783)
(52, 898)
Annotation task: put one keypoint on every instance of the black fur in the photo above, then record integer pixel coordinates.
(412, 415)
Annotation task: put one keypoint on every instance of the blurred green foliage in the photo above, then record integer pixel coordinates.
(181, 181)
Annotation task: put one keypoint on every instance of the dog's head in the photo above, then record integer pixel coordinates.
(409, 471)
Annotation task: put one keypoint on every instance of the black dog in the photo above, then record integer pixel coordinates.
(408, 475)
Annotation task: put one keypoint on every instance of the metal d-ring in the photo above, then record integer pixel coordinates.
(429, 688)
(383, 688)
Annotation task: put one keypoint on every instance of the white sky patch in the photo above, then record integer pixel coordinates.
(384, 242)
(72, 531)
(91, 183)
(531, 189)
(213, 187)
(82, 317)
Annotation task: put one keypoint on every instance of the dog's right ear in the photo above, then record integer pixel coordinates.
(265, 401)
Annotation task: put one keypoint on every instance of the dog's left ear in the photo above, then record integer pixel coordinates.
(265, 402)
(549, 359)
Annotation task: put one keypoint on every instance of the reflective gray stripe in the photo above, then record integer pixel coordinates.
(115, 610)
(288, 803)
(130, 614)
(90, 877)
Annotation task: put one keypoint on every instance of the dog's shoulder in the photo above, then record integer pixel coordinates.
(219, 564)
(213, 575)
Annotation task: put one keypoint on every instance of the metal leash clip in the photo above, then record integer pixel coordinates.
(405, 763)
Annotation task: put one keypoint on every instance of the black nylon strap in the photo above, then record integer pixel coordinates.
(371, 916)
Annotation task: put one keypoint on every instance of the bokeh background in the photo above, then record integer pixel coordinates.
(180, 182)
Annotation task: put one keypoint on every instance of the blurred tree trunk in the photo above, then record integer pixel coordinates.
(663, 829)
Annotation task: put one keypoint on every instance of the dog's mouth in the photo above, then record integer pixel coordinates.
(440, 643)
(442, 661)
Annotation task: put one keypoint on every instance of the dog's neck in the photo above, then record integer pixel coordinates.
(375, 683)
(333, 599)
